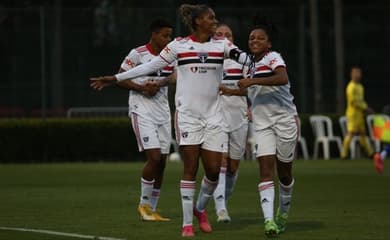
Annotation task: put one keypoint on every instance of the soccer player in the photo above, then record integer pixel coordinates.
(234, 106)
(275, 124)
(356, 108)
(150, 116)
(199, 118)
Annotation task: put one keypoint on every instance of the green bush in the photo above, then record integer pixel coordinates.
(35, 140)
(111, 139)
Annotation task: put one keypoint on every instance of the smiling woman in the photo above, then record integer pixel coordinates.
(199, 131)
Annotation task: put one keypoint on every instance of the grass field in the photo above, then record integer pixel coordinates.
(332, 200)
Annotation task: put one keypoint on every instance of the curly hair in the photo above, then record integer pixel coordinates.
(190, 12)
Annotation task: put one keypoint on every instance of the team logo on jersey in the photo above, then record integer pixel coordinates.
(128, 62)
(167, 49)
(194, 69)
(203, 56)
(146, 139)
(184, 134)
(272, 61)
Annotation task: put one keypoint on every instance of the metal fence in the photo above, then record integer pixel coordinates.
(48, 53)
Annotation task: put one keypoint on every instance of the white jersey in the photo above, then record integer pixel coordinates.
(235, 108)
(268, 102)
(155, 108)
(199, 73)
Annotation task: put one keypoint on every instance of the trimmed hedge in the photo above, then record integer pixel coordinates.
(111, 139)
(36, 140)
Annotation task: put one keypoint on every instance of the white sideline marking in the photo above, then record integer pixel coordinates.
(60, 233)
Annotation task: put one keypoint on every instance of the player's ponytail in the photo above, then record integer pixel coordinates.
(190, 12)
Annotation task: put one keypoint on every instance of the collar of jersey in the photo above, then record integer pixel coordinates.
(194, 39)
(150, 49)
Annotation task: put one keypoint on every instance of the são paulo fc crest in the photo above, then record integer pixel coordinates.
(146, 139)
(194, 69)
(203, 56)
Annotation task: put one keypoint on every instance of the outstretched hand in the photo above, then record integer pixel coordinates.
(98, 83)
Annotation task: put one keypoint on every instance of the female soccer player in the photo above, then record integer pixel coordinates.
(275, 125)
(150, 116)
(235, 109)
(198, 113)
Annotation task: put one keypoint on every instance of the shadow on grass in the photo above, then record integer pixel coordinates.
(302, 226)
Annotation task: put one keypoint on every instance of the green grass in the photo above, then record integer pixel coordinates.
(332, 200)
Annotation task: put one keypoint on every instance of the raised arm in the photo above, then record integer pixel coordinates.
(155, 64)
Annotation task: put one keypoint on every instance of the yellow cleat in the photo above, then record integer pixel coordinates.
(146, 212)
(160, 218)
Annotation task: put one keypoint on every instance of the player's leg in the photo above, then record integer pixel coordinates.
(213, 146)
(351, 130)
(265, 146)
(379, 159)
(164, 136)
(287, 136)
(147, 140)
(219, 193)
(363, 139)
(189, 135)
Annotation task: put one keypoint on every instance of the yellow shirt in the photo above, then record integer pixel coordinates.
(355, 99)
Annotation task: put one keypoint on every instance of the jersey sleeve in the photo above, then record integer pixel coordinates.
(169, 53)
(155, 64)
(131, 60)
(274, 60)
(233, 52)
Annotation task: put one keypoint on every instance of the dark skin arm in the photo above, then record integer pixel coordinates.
(279, 78)
(232, 92)
(149, 89)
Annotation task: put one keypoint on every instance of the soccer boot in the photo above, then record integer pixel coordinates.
(204, 224)
(223, 216)
(188, 231)
(270, 228)
(378, 163)
(160, 218)
(146, 213)
(281, 220)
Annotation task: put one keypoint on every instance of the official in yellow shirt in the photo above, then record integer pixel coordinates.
(355, 113)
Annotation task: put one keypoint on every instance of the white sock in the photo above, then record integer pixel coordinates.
(146, 191)
(206, 192)
(219, 193)
(285, 194)
(187, 191)
(267, 196)
(383, 154)
(155, 197)
(230, 183)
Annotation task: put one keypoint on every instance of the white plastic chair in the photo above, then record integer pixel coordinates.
(354, 146)
(370, 123)
(323, 134)
(302, 142)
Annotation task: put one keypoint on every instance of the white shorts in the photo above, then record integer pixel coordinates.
(280, 139)
(210, 133)
(150, 135)
(237, 142)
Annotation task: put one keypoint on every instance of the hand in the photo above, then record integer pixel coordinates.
(244, 83)
(98, 83)
(151, 88)
(224, 90)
